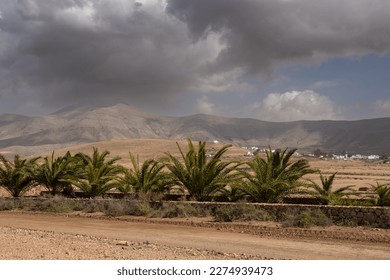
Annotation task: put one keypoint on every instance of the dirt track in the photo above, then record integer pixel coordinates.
(45, 236)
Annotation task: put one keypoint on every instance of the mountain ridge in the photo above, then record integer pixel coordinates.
(91, 124)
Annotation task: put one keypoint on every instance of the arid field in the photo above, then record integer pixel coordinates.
(32, 235)
(360, 173)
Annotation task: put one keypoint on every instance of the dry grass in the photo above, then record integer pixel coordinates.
(355, 172)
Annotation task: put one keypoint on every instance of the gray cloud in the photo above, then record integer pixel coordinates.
(64, 51)
(59, 51)
(261, 34)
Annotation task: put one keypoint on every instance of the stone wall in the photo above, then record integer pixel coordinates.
(346, 215)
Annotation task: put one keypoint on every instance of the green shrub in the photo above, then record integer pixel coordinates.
(93, 206)
(359, 202)
(383, 192)
(270, 179)
(306, 219)
(99, 174)
(25, 204)
(120, 208)
(57, 204)
(224, 214)
(241, 212)
(151, 196)
(149, 177)
(56, 208)
(198, 174)
(6, 204)
(144, 208)
(178, 210)
(325, 192)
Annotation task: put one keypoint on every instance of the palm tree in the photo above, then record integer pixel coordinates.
(99, 174)
(55, 173)
(14, 176)
(199, 175)
(146, 179)
(383, 192)
(325, 192)
(267, 180)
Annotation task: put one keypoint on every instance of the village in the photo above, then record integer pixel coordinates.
(254, 150)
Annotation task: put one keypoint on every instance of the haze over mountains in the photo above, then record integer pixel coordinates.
(91, 124)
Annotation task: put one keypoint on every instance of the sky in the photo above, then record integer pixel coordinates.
(274, 60)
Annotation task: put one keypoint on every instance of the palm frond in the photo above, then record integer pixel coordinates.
(147, 178)
(15, 176)
(325, 190)
(99, 174)
(199, 175)
(267, 180)
(383, 193)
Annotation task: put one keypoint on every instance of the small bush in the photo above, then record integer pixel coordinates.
(224, 214)
(360, 202)
(62, 208)
(114, 209)
(152, 196)
(383, 193)
(26, 204)
(7, 205)
(178, 210)
(120, 208)
(306, 219)
(144, 209)
(242, 212)
(93, 206)
(57, 204)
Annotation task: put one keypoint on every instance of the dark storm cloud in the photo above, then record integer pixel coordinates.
(64, 51)
(260, 34)
(61, 51)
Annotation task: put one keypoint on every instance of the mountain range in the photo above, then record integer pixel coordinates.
(71, 126)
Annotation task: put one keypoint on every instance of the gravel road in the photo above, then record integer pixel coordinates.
(48, 236)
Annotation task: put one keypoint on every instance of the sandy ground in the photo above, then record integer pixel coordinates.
(48, 236)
